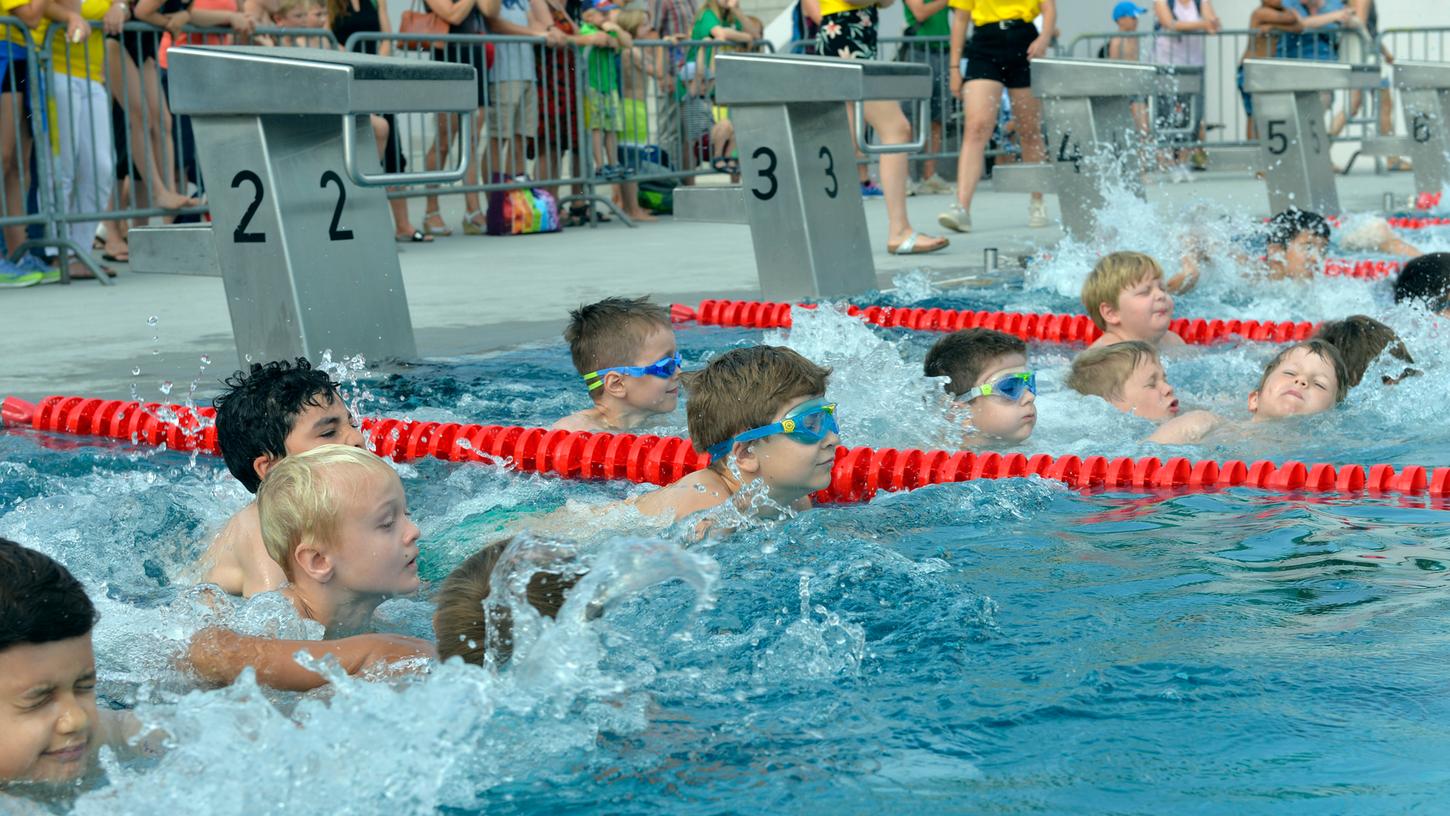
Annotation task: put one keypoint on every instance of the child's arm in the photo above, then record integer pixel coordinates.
(215, 18)
(149, 11)
(1188, 429)
(219, 655)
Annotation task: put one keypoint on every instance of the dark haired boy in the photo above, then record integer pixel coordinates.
(1361, 340)
(1426, 280)
(50, 729)
(988, 374)
(761, 415)
(264, 415)
(625, 350)
(1297, 240)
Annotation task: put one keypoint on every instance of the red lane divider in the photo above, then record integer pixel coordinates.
(1414, 222)
(859, 473)
(1054, 328)
(1427, 201)
(1365, 269)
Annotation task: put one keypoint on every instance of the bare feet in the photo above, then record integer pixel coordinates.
(168, 200)
(639, 214)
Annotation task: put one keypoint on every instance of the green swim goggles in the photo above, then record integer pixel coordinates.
(1010, 387)
(664, 369)
(808, 424)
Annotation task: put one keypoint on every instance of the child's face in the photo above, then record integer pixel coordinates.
(316, 17)
(1128, 23)
(996, 416)
(792, 469)
(650, 393)
(1304, 255)
(327, 424)
(593, 17)
(295, 17)
(1303, 384)
(1144, 311)
(1147, 393)
(377, 548)
(47, 709)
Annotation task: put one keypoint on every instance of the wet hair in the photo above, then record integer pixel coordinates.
(1426, 279)
(40, 601)
(1322, 348)
(745, 388)
(304, 496)
(1287, 225)
(1101, 372)
(258, 409)
(459, 621)
(1360, 340)
(964, 355)
(610, 332)
(1111, 275)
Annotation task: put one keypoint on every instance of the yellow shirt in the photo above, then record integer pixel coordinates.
(986, 12)
(12, 34)
(833, 6)
(86, 59)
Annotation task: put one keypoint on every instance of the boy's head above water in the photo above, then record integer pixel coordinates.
(1129, 375)
(336, 516)
(774, 396)
(625, 350)
(1124, 296)
(988, 371)
(1297, 241)
(47, 669)
(460, 623)
(1305, 378)
(276, 410)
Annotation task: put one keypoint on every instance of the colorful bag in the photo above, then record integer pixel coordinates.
(521, 212)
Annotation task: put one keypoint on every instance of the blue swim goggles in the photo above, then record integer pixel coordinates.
(1009, 387)
(664, 369)
(808, 424)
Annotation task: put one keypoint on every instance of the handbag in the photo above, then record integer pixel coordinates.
(416, 21)
(521, 212)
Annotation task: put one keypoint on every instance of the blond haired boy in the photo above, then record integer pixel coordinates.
(335, 519)
(1130, 377)
(762, 415)
(625, 350)
(1305, 378)
(1125, 298)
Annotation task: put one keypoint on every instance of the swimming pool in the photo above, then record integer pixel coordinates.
(984, 647)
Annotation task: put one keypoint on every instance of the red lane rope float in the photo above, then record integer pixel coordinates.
(859, 473)
(1427, 201)
(1414, 222)
(1364, 269)
(1053, 328)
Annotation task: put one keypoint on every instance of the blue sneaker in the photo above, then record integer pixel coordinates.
(870, 189)
(13, 277)
(30, 263)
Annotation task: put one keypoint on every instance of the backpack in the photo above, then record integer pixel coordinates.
(521, 212)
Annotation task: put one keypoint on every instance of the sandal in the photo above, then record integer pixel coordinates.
(720, 164)
(80, 272)
(429, 229)
(416, 238)
(909, 247)
(577, 217)
(471, 227)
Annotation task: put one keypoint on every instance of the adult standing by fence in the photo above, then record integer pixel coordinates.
(1186, 25)
(928, 33)
(463, 17)
(85, 171)
(999, 55)
(848, 31)
(15, 136)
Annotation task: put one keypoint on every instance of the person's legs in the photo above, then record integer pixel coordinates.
(891, 126)
(981, 99)
(433, 160)
(1027, 111)
(12, 121)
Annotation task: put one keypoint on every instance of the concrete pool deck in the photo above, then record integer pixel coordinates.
(470, 295)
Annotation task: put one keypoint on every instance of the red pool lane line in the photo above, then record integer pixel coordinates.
(1052, 328)
(859, 473)
(1363, 269)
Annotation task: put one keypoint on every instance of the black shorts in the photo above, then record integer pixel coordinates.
(15, 79)
(1000, 54)
(139, 45)
(475, 55)
(848, 34)
(393, 159)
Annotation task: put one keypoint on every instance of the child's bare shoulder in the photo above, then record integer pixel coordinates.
(1188, 429)
(698, 491)
(585, 420)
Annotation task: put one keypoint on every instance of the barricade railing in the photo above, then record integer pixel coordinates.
(1218, 117)
(857, 475)
(1419, 44)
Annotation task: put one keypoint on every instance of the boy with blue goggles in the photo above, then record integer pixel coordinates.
(808, 424)
(624, 349)
(988, 375)
(664, 369)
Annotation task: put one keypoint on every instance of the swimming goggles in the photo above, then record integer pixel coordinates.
(1009, 387)
(664, 369)
(808, 424)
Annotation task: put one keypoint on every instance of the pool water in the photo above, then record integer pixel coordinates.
(984, 647)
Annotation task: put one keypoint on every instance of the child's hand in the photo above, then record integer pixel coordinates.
(242, 24)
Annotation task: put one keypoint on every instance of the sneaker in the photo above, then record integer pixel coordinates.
(30, 263)
(50, 275)
(956, 219)
(870, 189)
(1036, 213)
(13, 277)
(936, 185)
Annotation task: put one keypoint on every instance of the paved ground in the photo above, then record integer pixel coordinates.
(472, 294)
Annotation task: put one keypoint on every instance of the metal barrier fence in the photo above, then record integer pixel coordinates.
(1220, 115)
